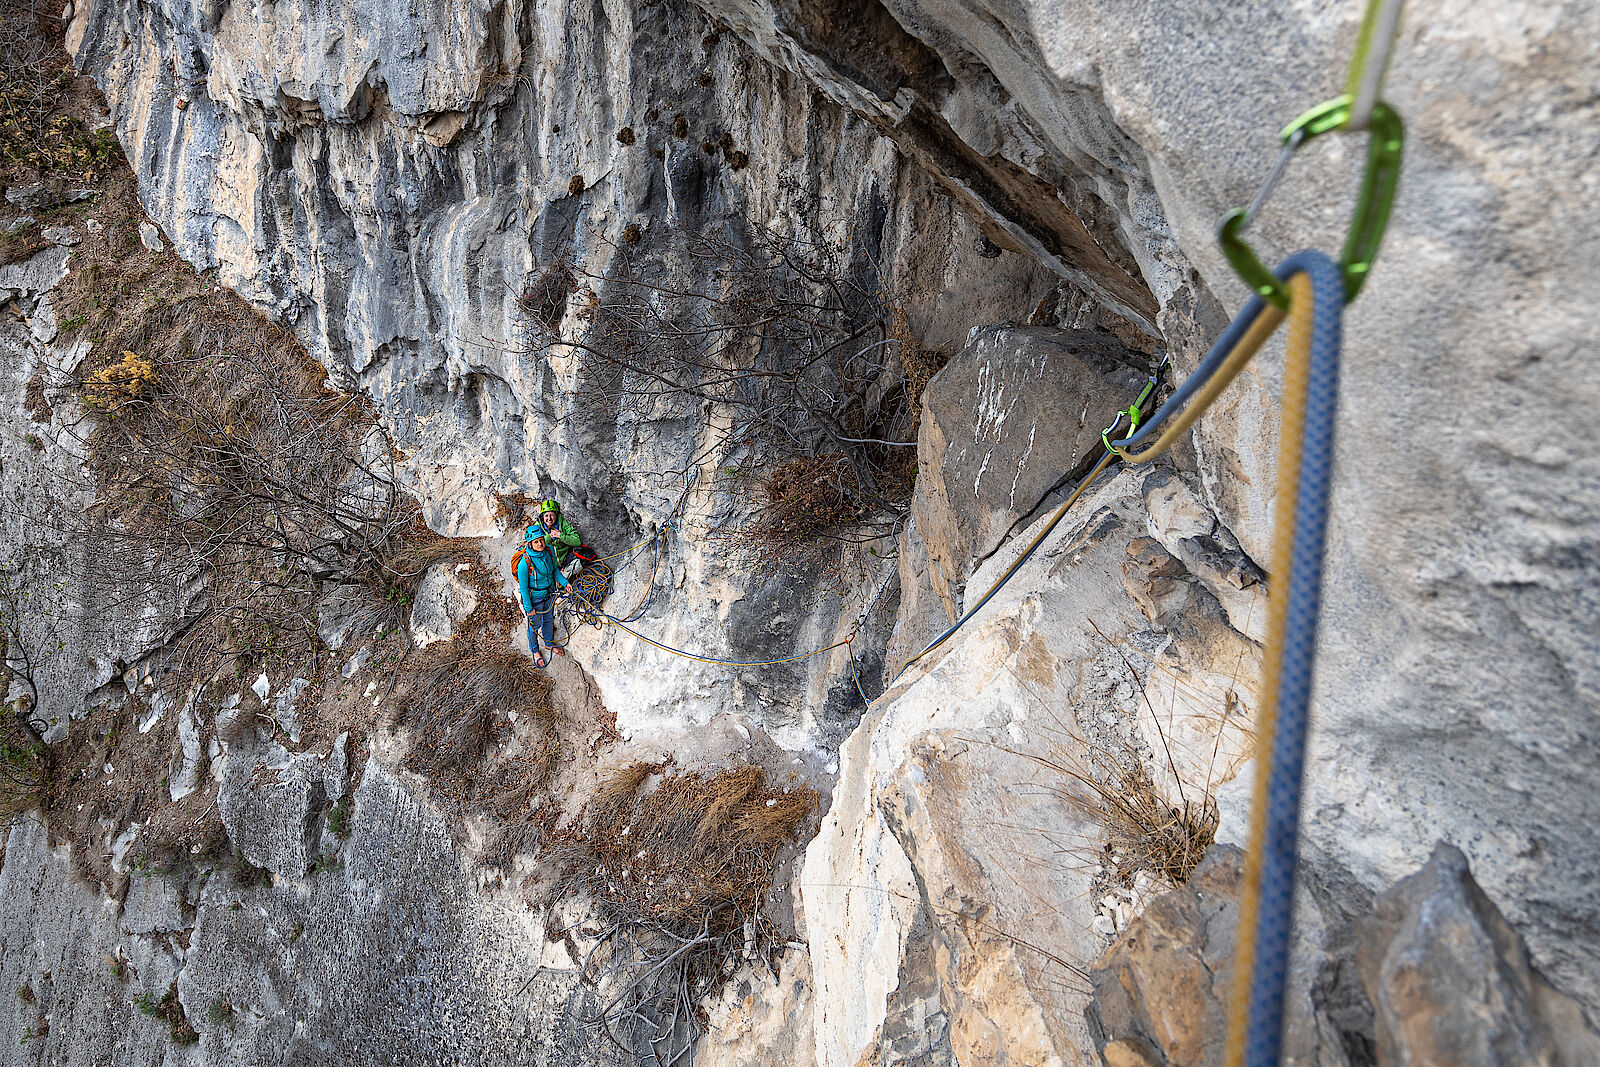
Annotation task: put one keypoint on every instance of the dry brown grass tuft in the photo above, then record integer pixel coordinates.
(1144, 832)
(617, 792)
(690, 846)
(806, 500)
(459, 704)
(1106, 775)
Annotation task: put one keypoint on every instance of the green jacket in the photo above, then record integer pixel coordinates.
(563, 539)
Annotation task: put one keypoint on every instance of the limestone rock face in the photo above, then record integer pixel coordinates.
(1161, 991)
(387, 952)
(952, 890)
(388, 178)
(443, 600)
(1451, 983)
(1012, 416)
(391, 181)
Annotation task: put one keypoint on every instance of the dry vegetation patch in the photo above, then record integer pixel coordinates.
(680, 869)
(234, 489)
(464, 701)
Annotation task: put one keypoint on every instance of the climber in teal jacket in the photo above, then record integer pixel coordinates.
(538, 580)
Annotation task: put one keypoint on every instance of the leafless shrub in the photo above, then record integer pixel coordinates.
(36, 139)
(545, 301)
(234, 487)
(680, 875)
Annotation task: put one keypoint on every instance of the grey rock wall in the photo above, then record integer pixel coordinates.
(377, 949)
(388, 182)
(389, 198)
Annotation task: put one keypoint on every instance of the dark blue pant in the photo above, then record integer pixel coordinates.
(544, 617)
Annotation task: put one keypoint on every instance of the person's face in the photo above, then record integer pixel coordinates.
(548, 518)
(537, 544)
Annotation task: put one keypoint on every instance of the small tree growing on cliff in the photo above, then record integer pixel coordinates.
(232, 486)
(792, 346)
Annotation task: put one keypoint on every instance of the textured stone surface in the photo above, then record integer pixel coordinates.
(950, 891)
(442, 601)
(388, 953)
(1009, 418)
(387, 177)
(1451, 983)
(1161, 991)
(388, 181)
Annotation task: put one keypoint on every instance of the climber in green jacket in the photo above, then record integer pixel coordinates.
(563, 538)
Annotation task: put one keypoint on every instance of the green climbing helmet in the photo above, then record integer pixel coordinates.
(548, 506)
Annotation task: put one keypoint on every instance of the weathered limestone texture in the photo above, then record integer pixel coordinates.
(379, 949)
(1161, 991)
(1010, 418)
(1450, 981)
(387, 178)
(956, 881)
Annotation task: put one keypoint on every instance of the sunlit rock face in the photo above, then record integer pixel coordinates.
(390, 183)
(388, 180)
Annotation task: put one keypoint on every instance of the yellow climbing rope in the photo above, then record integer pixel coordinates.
(1265, 326)
(1293, 419)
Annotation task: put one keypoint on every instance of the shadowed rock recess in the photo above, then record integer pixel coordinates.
(1026, 847)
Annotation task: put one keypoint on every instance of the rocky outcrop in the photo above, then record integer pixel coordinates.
(1451, 983)
(957, 877)
(393, 199)
(1015, 415)
(379, 948)
(1161, 992)
(1443, 980)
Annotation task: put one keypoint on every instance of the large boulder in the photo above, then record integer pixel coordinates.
(1451, 983)
(1015, 414)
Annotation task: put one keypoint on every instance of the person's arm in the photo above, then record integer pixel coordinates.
(560, 576)
(524, 570)
(567, 535)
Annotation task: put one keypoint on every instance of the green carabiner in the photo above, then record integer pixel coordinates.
(1385, 145)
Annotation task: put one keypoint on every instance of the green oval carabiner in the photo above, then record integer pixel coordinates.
(1385, 145)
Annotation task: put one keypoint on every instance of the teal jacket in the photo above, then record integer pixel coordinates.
(563, 539)
(538, 576)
